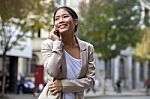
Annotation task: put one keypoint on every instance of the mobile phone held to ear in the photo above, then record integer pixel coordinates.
(57, 33)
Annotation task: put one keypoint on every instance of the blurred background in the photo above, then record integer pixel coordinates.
(118, 29)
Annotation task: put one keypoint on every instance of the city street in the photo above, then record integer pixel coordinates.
(27, 96)
(132, 94)
(120, 97)
(22, 96)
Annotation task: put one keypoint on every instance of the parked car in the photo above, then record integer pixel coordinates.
(26, 86)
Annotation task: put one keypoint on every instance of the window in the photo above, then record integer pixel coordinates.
(141, 71)
(149, 70)
(122, 68)
(108, 68)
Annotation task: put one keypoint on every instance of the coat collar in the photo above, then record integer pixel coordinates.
(81, 44)
(83, 56)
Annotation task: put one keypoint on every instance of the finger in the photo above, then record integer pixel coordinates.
(51, 33)
(54, 27)
(52, 89)
(60, 37)
(53, 30)
(54, 92)
(51, 86)
(50, 36)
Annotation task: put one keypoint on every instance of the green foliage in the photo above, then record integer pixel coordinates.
(25, 15)
(10, 8)
(110, 25)
(39, 14)
(30, 15)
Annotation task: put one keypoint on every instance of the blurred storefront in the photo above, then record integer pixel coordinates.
(12, 63)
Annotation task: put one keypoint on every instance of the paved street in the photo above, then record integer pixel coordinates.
(25, 96)
(120, 97)
(94, 97)
(134, 94)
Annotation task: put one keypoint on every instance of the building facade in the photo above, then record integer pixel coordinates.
(132, 73)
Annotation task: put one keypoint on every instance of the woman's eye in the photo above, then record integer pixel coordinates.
(56, 19)
(66, 16)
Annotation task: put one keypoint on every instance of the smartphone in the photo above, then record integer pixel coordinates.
(57, 33)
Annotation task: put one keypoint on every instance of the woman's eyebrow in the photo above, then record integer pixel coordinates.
(61, 15)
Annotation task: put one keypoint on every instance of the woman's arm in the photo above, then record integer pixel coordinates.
(52, 54)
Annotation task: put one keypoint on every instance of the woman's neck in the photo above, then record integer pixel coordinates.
(70, 41)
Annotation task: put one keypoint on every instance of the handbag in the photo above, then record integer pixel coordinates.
(45, 94)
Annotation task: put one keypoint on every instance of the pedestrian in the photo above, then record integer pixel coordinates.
(147, 84)
(69, 61)
(1, 78)
(118, 84)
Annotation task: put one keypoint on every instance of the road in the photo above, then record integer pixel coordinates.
(120, 97)
(97, 97)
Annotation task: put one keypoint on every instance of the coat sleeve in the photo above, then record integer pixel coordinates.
(52, 53)
(78, 85)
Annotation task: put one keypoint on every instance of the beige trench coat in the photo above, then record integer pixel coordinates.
(55, 65)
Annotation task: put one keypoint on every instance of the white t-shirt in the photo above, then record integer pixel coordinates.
(73, 70)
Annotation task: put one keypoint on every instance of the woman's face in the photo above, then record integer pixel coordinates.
(64, 21)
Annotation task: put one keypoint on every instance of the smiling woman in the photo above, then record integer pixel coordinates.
(69, 61)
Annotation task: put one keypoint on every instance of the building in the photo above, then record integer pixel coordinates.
(133, 73)
(24, 51)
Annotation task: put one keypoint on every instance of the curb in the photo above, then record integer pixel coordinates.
(110, 94)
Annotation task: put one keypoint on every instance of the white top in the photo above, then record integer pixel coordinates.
(73, 70)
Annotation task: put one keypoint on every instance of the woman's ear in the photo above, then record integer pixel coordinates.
(76, 21)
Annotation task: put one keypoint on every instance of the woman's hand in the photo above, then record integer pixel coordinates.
(55, 87)
(53, 36)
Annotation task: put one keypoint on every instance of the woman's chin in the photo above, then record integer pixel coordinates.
(63, 30)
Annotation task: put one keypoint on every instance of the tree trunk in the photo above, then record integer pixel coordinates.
(4, 74)
(103, 83)
(106, 75)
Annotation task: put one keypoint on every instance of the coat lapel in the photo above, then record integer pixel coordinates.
(64, 66)
(83, 56)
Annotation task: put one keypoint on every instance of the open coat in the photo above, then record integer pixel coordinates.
(55, 65)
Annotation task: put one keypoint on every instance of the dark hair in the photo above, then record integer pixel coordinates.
(70, 11)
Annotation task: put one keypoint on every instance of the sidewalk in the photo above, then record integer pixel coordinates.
(140, 92)
(21, 96)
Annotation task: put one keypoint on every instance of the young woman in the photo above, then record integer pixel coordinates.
(69, 61)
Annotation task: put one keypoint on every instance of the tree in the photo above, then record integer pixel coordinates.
(111, 26)
(9, 39)
(143, 48)
(25, 16)
(30, 15)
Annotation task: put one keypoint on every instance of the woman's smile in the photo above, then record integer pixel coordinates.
(62, 26)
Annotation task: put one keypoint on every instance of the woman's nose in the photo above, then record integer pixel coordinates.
(61, 19)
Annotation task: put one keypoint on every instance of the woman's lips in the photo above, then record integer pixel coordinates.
(62, 26)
